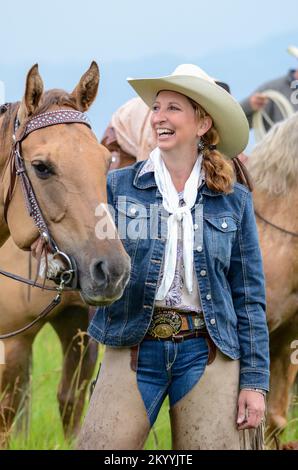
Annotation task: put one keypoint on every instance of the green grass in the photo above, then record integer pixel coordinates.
(291, 432)
(45, 428)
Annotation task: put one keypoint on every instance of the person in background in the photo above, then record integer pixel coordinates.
(128, 136)
(285, 85)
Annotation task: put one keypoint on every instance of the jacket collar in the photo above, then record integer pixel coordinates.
(209, 192)
(144, 179)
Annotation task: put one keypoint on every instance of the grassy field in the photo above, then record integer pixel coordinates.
(45, 429)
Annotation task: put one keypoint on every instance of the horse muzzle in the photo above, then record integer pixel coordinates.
(105, 282)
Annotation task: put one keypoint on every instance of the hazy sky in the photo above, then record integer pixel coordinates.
(72, 30)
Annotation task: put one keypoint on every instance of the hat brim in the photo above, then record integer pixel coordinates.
(226, 113)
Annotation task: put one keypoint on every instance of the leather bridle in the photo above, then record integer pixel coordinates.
(67, 278)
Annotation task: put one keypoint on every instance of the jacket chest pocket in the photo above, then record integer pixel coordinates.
(132, 220)
(220, 234)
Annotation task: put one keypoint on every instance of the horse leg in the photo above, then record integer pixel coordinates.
(79, 358)
(14, 381)
(283, 373)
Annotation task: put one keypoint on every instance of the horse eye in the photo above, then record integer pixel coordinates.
(42, 170)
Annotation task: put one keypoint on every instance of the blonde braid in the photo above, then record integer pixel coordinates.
(219, 172)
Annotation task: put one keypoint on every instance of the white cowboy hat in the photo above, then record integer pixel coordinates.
(190, 80)
(293, 50)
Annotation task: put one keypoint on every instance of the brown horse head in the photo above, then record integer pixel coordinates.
(67, 168)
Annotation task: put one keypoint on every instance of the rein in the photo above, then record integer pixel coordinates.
(293, 234)
(67, 279)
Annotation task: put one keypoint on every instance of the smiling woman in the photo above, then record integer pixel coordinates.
(186, 325)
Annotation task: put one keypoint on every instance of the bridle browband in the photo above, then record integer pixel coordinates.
(67, 278)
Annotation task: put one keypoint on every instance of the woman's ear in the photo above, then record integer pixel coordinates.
(204, 125)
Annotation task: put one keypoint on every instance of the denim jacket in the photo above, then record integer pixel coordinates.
(227, 262)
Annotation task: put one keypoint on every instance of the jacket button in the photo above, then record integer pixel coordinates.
(212, 321)
(208, 297)
(195, 226)
(224, 225)
(199, 248)
(203, 272)
(133, 210)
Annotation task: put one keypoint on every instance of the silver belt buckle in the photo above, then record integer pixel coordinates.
(198, 321)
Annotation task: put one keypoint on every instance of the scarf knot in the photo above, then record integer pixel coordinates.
(180, 212)
(170, 201)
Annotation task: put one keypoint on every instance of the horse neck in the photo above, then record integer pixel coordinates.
(4, 231)
(281, 210)
(4, 153)
(7, 120)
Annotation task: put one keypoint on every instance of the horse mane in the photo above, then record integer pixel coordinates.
(48, 99)
(273, 164)
(55, 97)
(7, 129)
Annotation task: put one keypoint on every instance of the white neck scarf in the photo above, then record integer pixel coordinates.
(170, 201)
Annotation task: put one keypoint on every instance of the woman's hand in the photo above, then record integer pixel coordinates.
(251, 409)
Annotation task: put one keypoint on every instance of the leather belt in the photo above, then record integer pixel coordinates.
(183, 336)
(180, 337)
(167, 323)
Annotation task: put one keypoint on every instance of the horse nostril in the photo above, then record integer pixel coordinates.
(100, 273)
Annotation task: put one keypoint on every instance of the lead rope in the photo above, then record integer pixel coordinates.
(29, 276)
(42, 315)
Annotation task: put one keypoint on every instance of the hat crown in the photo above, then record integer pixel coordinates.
(192, 71)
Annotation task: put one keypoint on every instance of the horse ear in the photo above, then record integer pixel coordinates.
(86, 90)
(33, 92)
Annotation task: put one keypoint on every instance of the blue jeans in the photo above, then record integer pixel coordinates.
(168, 368)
